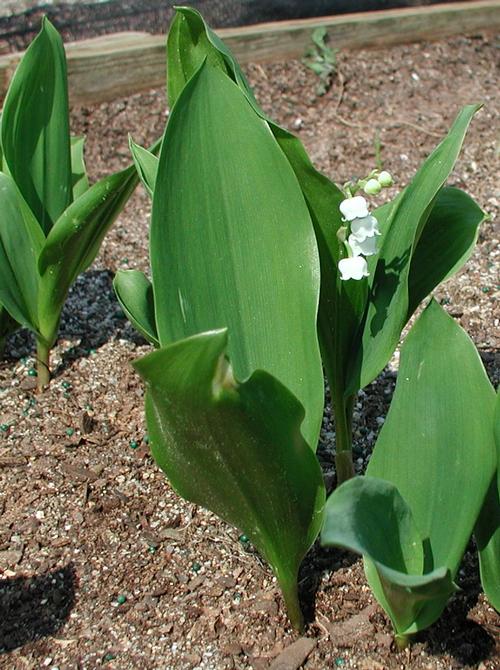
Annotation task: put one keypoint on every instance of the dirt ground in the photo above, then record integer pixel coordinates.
(102, 565)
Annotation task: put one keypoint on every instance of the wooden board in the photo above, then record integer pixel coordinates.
(120, 64)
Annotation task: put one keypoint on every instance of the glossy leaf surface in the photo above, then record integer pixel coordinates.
(21, 240)
(35, 128)
(437, 440)
(135, 295)
(232, 244)
(388, 299)
(236, 449)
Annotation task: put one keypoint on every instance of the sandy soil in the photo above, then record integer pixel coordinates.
(102, 565)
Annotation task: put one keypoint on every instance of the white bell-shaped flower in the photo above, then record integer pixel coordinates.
(366, 226)
(354, 208)
(353, 268)
(367, 247)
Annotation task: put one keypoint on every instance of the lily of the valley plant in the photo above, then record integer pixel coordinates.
(258, 264)
(52, 222)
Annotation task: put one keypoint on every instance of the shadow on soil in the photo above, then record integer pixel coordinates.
(34, 607)
(455, 632)
(91, 315)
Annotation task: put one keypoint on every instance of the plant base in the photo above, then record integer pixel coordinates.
(42, 365)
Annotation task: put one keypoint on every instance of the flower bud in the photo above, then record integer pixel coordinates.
(372, 187)
(385, 179)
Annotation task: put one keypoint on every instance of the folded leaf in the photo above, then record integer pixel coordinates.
(135, 294)
(35, 128)
(75, 239)
(437, 440)
(79, 177)
(235, 247)
(21, 240)
(188, 27)
(487, 529)
(388, 300)
(447, 240)
(236, 449)
(146, 164)
(369, 516)
(342, 304)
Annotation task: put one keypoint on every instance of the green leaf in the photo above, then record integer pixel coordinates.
(388, 300)
(369, 516)
(236, 449)
(340, 302)
(35, 128)
(437, 440)
(446, 242)
(135, 294)
(487, 529)
(233, 247)
(188, 29)
(146, 164)
(75, 239)
(21, 240)
(79, 177)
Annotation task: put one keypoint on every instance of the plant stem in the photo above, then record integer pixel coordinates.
(42, 364)
(343, 434)
(290, 591)
(401, 640)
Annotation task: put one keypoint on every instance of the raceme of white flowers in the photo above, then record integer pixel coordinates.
(362, 228)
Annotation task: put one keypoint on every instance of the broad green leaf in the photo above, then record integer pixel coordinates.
(35, 128)
(487, 529)
(79, 177)
(342, 304)
(446, 242)
(388, 300)
(146, 164)
(75, 239)
(135, 294)
(437, 440)
(232, 244)
(369, 516)
(236, 449)
(21, 240)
